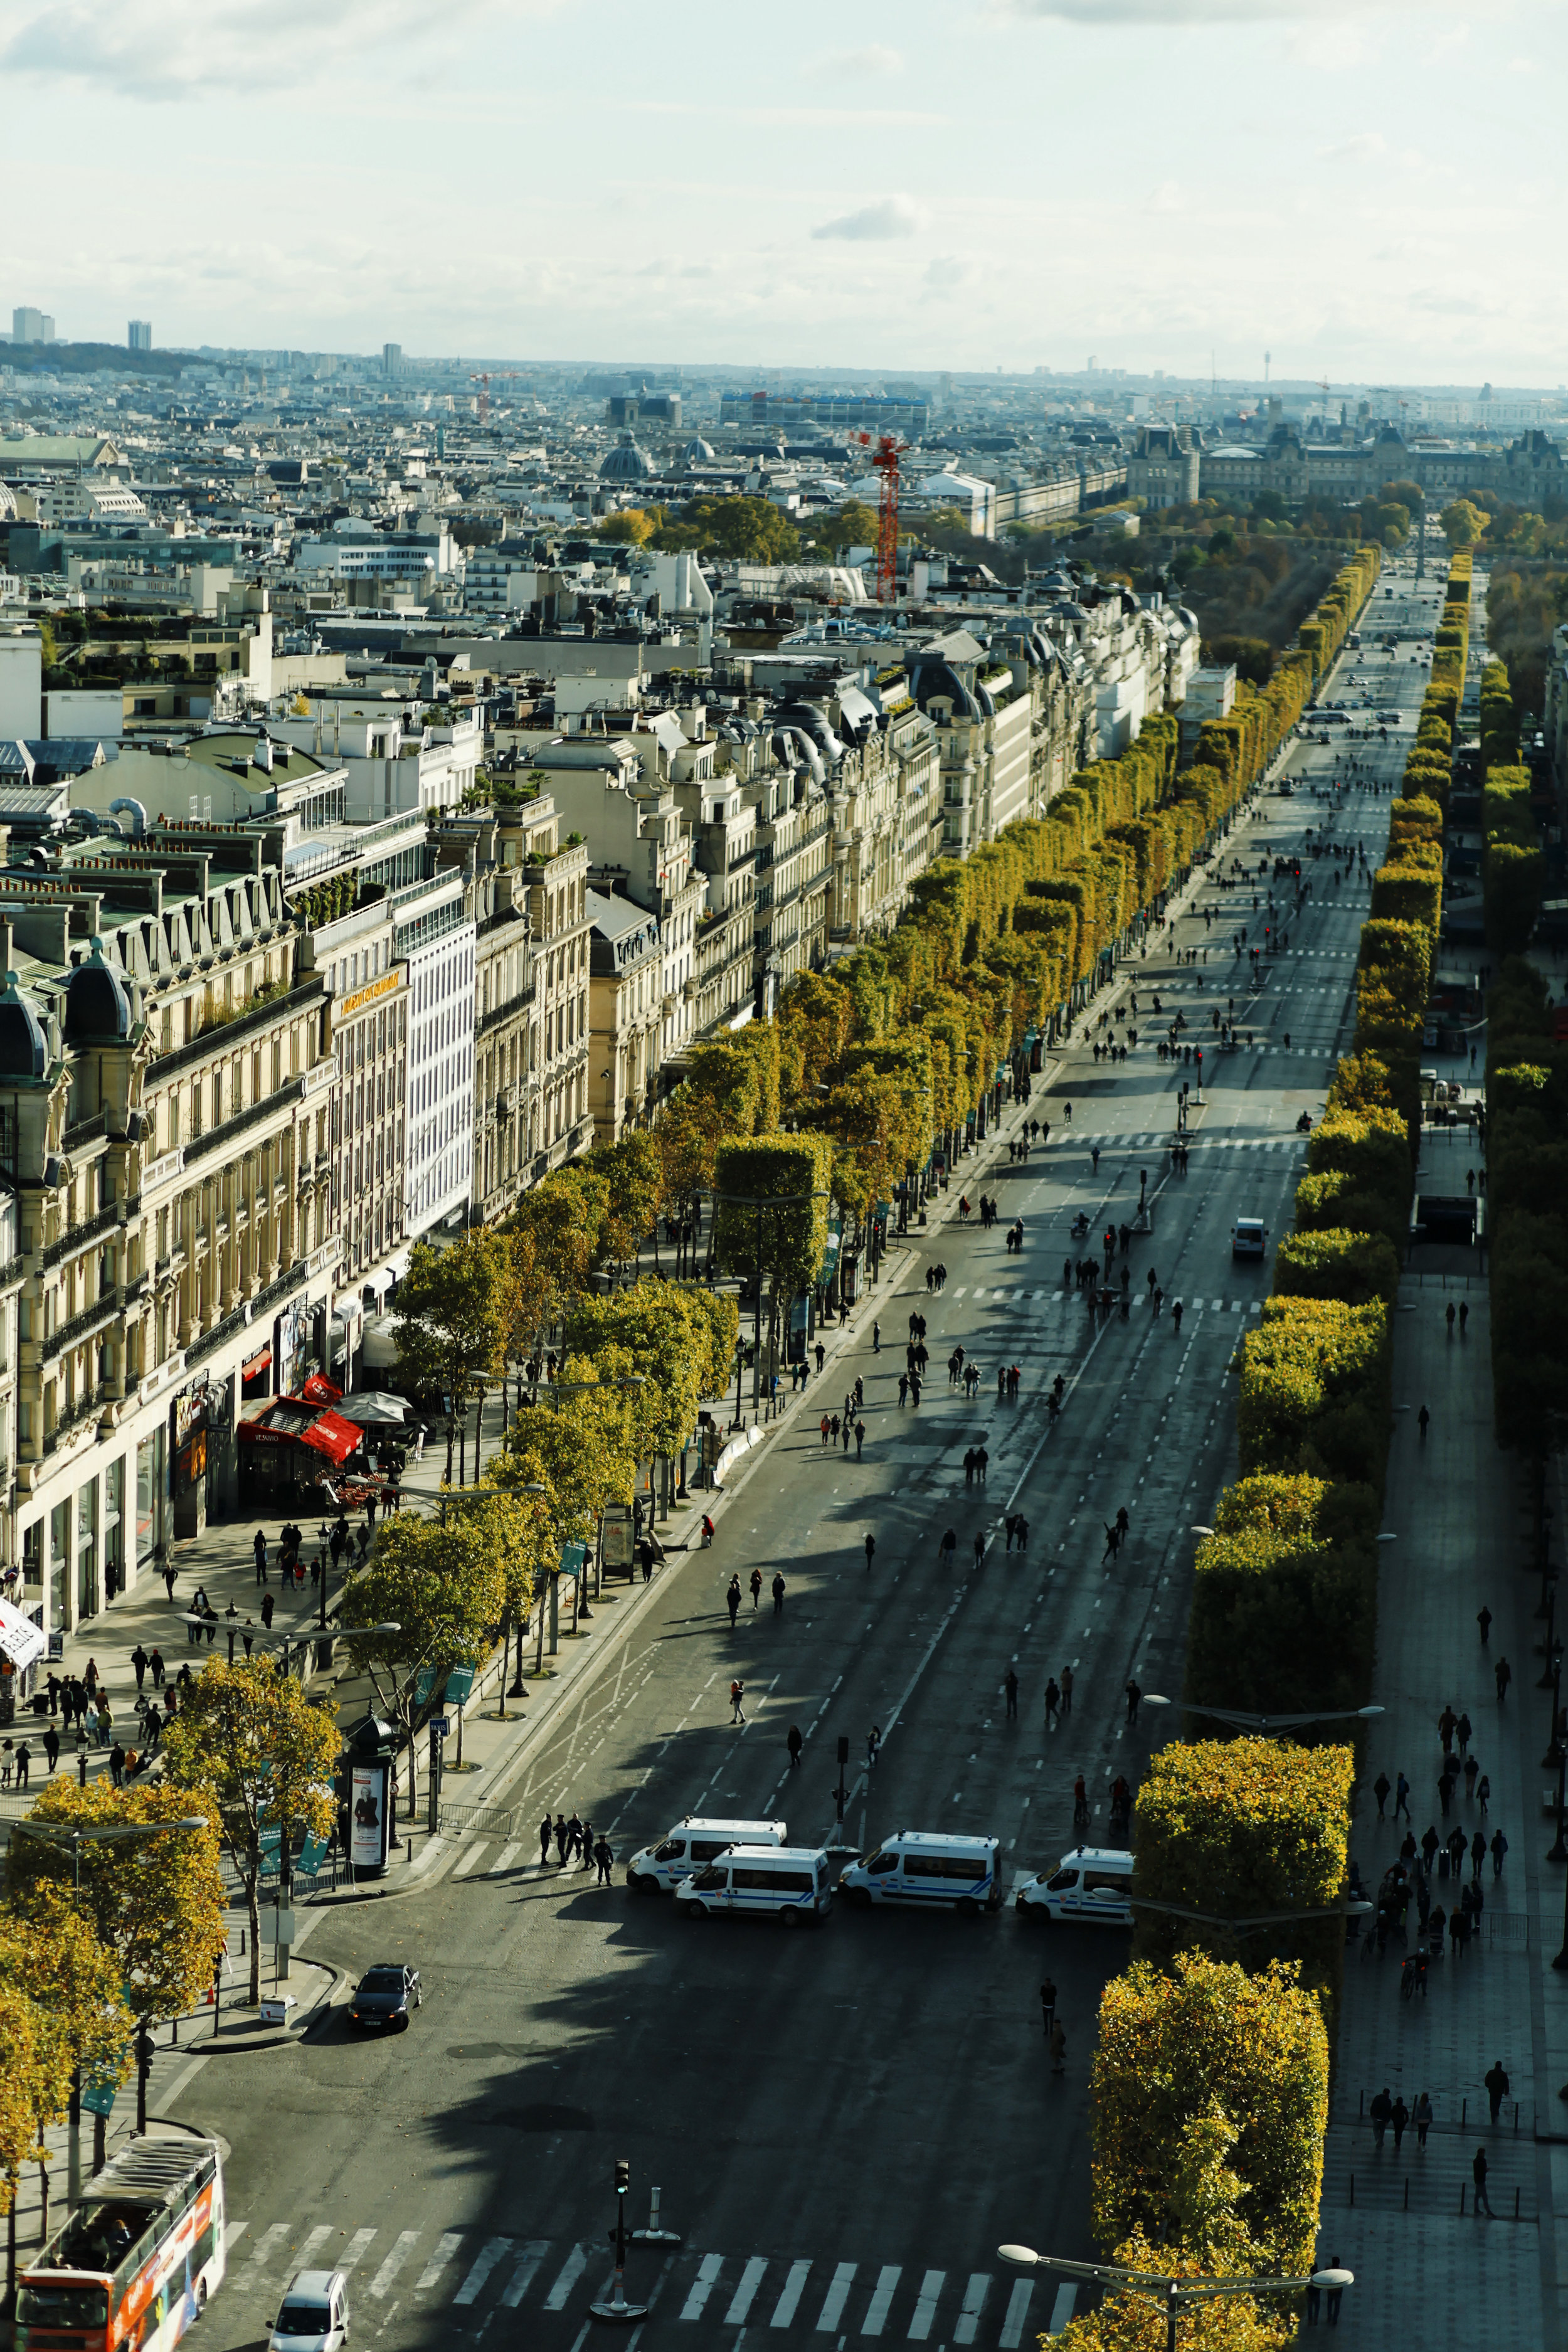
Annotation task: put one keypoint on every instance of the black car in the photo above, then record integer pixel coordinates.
(385, 1996)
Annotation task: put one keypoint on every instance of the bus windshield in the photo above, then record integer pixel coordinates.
(40, 2305)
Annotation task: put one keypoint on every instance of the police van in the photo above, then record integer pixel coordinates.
(921, 1868)
(790, 1882)
(691, 1843)
(1092, 1882)
(1248, 1237)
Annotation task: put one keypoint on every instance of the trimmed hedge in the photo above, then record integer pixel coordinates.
(1315, 1390)
(1337, 1263)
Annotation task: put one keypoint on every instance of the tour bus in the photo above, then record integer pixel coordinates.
(922, 1867)
(689, 1845)
(790, 1882)
(134, 2265)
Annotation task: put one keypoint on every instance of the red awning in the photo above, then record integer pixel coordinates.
(291, 1421)
(331, 1434)
(318, 1390)
(253, 1366)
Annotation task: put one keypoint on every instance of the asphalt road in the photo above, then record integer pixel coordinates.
(843, 2125)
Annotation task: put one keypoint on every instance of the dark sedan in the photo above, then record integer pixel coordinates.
(385, 1996)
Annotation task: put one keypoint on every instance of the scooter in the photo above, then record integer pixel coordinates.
(1080, 1227)
(1304, 1124)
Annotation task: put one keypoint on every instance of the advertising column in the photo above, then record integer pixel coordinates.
(367, 1816)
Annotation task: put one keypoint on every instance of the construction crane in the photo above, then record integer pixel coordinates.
(884, 454)
(484, 383)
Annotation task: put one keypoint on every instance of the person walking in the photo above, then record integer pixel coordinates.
(1421, 2117)
(979, 1548)
(778, 1592)
(604, 1858)
(859, 1439)
(793, 1742)
(1059, 2044)
(51, 1745)
(258, 1545)
(948, 1546)
(1477, 1855)
(732, 1600)
(558, 1832)
(1479, 2175)
(546, 1831)
(1484, 1619)
(756, 1584)
(24, 1763)
(1066, 1690)
(1010, 1684)
(266, 1610)
(1502, 1674)
(1053, 1701)
(1483, 1793)
(1499, 1848)
(873, 1746)
(1424, 1420)
(139, 1664)
(1399, 2116)
(1380, 2111)
(1497, 2083)
(1462, 1731)
(1401, 1797)
(871, 1552)
(1047, 2005)
(1133, 1695)
(737, 1696)
(1381, 1789)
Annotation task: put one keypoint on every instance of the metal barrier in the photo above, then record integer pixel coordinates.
(491, 1819)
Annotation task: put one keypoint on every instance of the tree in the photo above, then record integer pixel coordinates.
(632, 527)
(445, 1588)
(632, 1170)
(452, 1319)
(156, 1902)
(854, 524)
(247, 1738)
(68, 1983)
(1463, 522)
(748, 531)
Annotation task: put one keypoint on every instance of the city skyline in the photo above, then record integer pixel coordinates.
(1020, 185)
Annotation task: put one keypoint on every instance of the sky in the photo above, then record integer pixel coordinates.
(1370, 190)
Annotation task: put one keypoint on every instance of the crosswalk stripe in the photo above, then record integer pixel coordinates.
(381, 2283)
(446, 2247)
(232, 2233)
(358, 2247)
(702, 2286)
(974, 2295)
(1219, 1305)
(523, 2269)
(262, 2251)
(488, 2256)
(305, 2259)
(469, 1861)
(925, 2305)
(793, 2288)
(876, 2318)
(571, 2270)
(505, 1859)
(741, 2301)
(1061, 2310)
(1017, 2311)
(834, 2301)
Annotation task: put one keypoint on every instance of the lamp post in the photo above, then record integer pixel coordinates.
(760, 1202)
(1266, 1725)
(73, 1839)
(1169, 2293)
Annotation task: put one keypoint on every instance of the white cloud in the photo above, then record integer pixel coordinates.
(873, 59)
(1166, 198)
(1195, 11)
(168, 49)
(947, 273)
(1362, 149)
(889, 216)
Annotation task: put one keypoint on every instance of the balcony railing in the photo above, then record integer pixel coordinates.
(222, 1033)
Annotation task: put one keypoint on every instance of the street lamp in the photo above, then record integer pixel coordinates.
(61, 1837)
(1264, 1725)
(1170, 2294)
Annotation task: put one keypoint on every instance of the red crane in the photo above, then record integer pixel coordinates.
(885, 455)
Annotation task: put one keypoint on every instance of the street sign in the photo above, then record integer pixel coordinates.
(98, 2093)
(459, 1686)
(439, 1723)
(424, 1684)
(312, 1853)
(573, 1558)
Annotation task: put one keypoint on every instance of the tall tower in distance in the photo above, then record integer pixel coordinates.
(30, 326)
(1266, 357)
(391, 359)
(139, 335)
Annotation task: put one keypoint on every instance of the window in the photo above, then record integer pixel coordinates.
(773, 1882)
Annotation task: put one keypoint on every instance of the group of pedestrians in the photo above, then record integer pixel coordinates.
(576, 1846)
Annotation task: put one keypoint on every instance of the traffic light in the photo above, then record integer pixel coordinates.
(843, 1748)
(623, 2175)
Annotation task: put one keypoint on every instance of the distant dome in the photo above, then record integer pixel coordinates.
(23, 1052)
(698, 453)
(95, 1003)
(626, 463)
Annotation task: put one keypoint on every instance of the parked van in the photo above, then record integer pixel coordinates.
(1092, 1882)
(1248, 1237)
(689, 1845)
(790, 1882)
(921, 1868)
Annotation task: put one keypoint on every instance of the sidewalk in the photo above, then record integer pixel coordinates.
(1456, 1509)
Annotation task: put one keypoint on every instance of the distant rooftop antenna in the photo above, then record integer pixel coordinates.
(1266, 357)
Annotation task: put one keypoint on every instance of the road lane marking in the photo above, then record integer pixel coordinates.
(974, 2295)
(381, 2283)
(446, 2247)
(571, 2270)
(1018, 2311)
(523, 2269)
(925, 2305)
(1061, 2310)
(793, 2288)
(836, 2296)
(358, 2247)
(741, 2301)
(488, 2256)
(702, 2286)
(876, 2318)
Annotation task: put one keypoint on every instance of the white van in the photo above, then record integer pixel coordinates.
(314, 2313)
(1092, 1882)
(689, 1845)
(790, 1882)
(921, 1868)
(1248, 1237)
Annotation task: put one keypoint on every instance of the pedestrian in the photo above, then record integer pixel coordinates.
(1503, 1675)
(1053, 1700)
(1424, 1420)
(1401, 1797)
(24, 1763)
(258, 1545)
(267, 1606)
(732, 1600)
(777, 1588)
(1483, 1793)
(247, 1636)
(1058, 2042)
(1133, 1695)
(169, 1575)
(1462, 1730)
(1399, 2116)
(1335, 2294)
(1497, 2085)
(1499, 1848)
(980, 1549)
(585, 1846)
(737, 1694)
(795, 1743)
(1478, 2174)
(139, 1663)
(826, 1426)
(1381, 2110)
(1010, 1684)
(545, 1834)
(948, 1546)
(1380, 1789)
(559, 1832)
(1472, 1767)
(1067, 1690)
(871, 1552)
(1421, 2117)
(756, 1584)
(51, 1745)
(876, 1339)
(1484, 1619)
(603, 1857)
(1048, 2004)
(873, 1746)
(117, 1765)
(859, 1439)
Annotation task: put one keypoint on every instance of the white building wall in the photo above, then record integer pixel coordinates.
(21, 685)
(441, 1077)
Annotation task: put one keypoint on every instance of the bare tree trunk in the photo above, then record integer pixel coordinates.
(479, 1430)
(253, 1907)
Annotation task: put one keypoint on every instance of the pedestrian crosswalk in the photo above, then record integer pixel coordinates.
(981, 1294)
(473, 2272)
(1114, 1139)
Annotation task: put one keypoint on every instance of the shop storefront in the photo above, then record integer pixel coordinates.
(152, 1501)
(188, 1435)
(287, 1450)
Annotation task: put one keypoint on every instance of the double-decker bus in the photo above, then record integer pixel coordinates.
(135, 2262)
